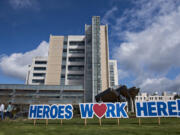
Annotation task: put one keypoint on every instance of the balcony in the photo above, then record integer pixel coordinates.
(75, 72)
(75, 82)
(76, 47)
(76, 55)
(75, 63)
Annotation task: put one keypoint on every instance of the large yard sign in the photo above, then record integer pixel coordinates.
(107, 110)
(50, 112)
(158, 109)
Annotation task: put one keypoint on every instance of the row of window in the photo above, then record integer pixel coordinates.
(38, 74)
(74, 51)
(39, 68)
(73, 68)
(151, 98)
(80, 43)
(74, 59)
(41, 81)
(73, 76)
(40, 62)
(75, 42)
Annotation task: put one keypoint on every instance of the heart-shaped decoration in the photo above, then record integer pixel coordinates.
(99, 109)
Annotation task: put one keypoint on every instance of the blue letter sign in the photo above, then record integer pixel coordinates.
(109, 110)
(158, 109)
(50, 112)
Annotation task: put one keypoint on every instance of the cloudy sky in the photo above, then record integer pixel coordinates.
(144, 36)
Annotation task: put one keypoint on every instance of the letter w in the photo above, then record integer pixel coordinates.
(86, 110)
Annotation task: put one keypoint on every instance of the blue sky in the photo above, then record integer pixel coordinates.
(143, 36)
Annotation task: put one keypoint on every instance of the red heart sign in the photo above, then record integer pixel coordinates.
(99, 109)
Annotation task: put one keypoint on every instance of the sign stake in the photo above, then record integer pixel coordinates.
(100, 122)
(61, 122)
(159, 121)
(46, 122)
(139, 121)
(85, 122)
(34, 122)
(118, 121)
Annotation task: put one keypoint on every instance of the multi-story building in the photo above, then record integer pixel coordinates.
(77, 60)
(155, 97)
(113, 73)
(37, 71)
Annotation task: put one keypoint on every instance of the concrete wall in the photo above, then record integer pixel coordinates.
(54, 60)
(104, 57)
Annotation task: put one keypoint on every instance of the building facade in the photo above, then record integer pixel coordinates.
(113, 73)
(37, 71)
(76, 60)
(155, 97)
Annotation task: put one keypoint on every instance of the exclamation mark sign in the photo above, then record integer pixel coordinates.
(178, 107)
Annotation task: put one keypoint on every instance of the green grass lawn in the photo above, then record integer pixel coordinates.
(75, 126)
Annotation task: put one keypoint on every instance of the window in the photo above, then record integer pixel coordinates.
(65, 43)
(80, 43)
(38, 74)
(38, 81)
(75, 51)
(75, 68)
(63, 76)
(64, 59)
(63, 67)
(76, 59)
(75, 77)
(40, 62)
(64, 50)
(39, 68)
(112, 83)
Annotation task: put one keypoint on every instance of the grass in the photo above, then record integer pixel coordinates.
(75, 126)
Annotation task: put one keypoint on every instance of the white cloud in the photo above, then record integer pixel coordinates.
(155, 49)
(152, 44)
(109, 15)
(161, 84)
(143, 14)
(16, 4)
(16, 65)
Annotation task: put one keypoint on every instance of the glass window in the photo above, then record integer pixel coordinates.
(75, 77)
(62, 76)
(64, 50)
(65, 43)
(40, 62)
(75, 68)
(80, 43)
(64, 59)
(38, 81)
(76, 59)
(38, 74)
(39, 68)
(63, 67)
(76, 51)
